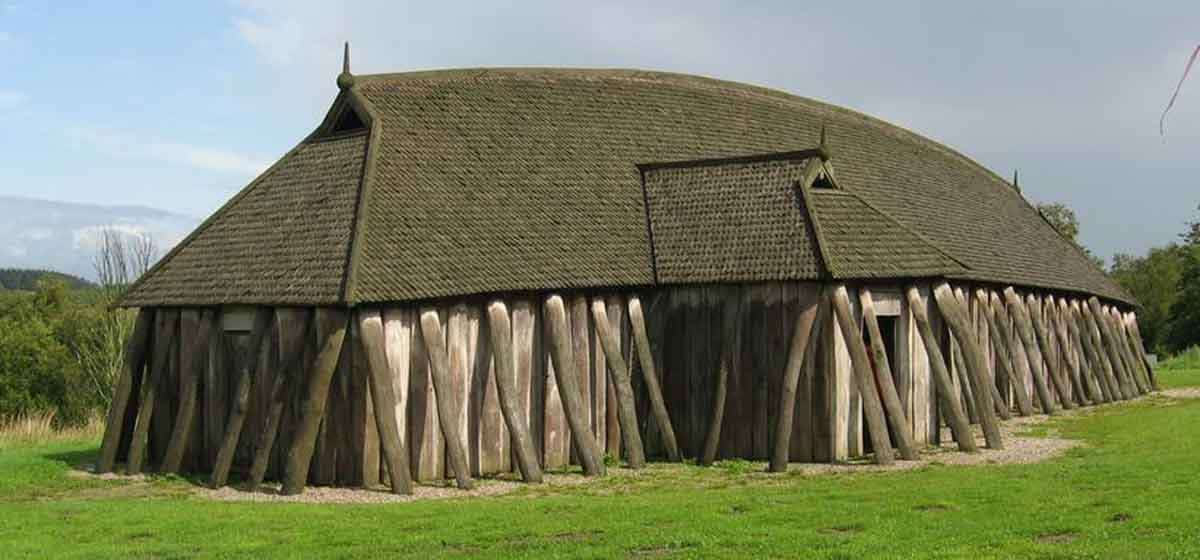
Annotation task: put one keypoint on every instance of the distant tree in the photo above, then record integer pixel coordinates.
(1153, 280)
(1063, 219)
(1183, 327)
(27, 279)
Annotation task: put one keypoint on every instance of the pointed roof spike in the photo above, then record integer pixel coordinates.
(1016, 184)
(345, 80)
(822, 148)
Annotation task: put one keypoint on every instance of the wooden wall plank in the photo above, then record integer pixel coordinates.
(427, 449)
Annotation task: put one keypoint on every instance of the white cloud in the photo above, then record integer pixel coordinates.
(16, 251)
(169, 152)
(4, 36)
(36, 234)
(89, 237)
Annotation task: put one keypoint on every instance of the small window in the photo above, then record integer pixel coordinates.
(348, 121)
(822, 182)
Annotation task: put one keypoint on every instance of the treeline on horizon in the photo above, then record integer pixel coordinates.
(26, 279)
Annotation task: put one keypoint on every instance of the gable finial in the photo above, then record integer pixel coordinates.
(345, 79)
(1016, 184)
(822, 148)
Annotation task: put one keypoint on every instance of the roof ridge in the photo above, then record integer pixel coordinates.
(358, 102)
(729, 160)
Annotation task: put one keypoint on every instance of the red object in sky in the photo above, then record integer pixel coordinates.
(1187, 69)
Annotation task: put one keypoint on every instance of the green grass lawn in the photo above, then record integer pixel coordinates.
(1133, 491)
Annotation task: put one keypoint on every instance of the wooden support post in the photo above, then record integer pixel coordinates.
(948, 399)
(1100, 366)
(1043, 338)
(331, 324)
(863, 375)
(989, 382)
(295, 328)
(1058, 327)
(500, 328)
(1136, 333)
(194, 329)
(166, 323)
(658, 407)
(619, 376)
(569, 391)
(136, 350)
(1116, 341)
(444, 393)
(804, 337)
(370, 326)
(1025, 330)
(1090, 370)
(241, 397)
(883, 379)
(1133, 364)
(956, 319)
(730, 350)
(998, 328)
(1091, 310)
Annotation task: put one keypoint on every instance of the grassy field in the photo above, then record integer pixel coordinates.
(1130, 492)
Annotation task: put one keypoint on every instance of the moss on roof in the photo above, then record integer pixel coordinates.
(487, 180)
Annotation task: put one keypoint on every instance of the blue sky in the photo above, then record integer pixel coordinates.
(177, 105)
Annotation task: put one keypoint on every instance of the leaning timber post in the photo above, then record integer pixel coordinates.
(165, 328)
(1032, 351)
(370, 327)
(500, 328)
(1013, 344)
(295, 328)
(1113, 338)
(1089, 368)
(241, 397)
(1043, 338)
(619, 376)
(950, 407)
(444, 394)
(331, 324)
(956, 318)
(998, 403)
(730, 350)
(887, 387)
(1136, 333)
(1058, 330)
(1099, 336)
(1102, 369)
(1135, 365)
(194, 329)
(567, 375)
(804, 335)
(658, 406)
(136, 349)
(861, 364)
(1004, 357)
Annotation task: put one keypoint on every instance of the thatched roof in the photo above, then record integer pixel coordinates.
(493, 180)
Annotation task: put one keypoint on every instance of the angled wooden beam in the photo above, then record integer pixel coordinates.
(1104, 347)
(500, 329)
(1001, 335)
(136, 350)
(1033, 352)
(195, 327)
(166, 327)
(730, 350)
(1058, 331)
(241, 397)
(1089, 368)
(295, 330)
(444, 394)
(998, 403)
(1017, 353)
(1121, 332)
(658, 407)
(805, 335)
(568, 377)
(956, 319)
(1101, 369)
(331, 325)
(948, 399)
(863, 376)
(619, 374)
(887, 385)
(1043, 338)
(1136, 333)
(370, 324)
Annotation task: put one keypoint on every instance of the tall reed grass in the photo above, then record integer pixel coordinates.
(40, 427)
